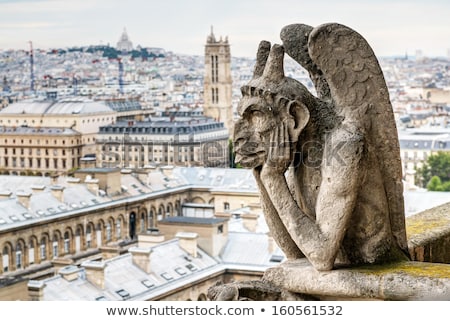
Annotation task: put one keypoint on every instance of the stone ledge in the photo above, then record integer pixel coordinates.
(409, 280)
(429, 225)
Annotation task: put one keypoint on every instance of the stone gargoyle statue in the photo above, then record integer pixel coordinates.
(327, 164)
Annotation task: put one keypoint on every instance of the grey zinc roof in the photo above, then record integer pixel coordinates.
(42, 204)
(12, 212)
(171, 267)
(78, 197)
(25, 183)
(193, 220)
(220, 178)
(249, 249)
(58, 107)
(163, 126)
(26, 107)
(170, 264)
(37, 131)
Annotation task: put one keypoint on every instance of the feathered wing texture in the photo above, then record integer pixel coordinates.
(295, 42)
(359, 93)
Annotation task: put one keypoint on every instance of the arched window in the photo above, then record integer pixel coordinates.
(108, 232)
(132, 225)
(5, 259)
(55, 246)
(43, 249)
(66, 242)
(150, 218)
(88, 236)
(99, 234)
(142, 222)
(78, 239)
(19, 256)
(31, 252)
(119, 228)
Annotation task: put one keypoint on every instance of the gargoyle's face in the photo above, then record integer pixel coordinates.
(252, 131)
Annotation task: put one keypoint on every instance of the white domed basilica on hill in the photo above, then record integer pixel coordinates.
(124, 43)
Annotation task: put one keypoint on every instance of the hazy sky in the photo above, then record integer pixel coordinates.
(392, 27)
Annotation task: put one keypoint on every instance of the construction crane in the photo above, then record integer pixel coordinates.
(75, 85)
(120, 75)
(119, 60)
(31, 67)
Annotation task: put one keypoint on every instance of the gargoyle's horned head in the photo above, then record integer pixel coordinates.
(269, 99)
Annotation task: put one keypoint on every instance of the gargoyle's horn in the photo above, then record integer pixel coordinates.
(261, 58)
(274, 67)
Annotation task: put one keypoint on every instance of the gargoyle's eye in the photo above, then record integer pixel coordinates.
(256, 113)
(252, 111)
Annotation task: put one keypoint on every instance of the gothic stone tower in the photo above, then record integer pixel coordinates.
(217, 81)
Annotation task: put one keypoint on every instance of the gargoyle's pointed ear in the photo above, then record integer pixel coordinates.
(274, 70)
(300, 116)
(261, 58)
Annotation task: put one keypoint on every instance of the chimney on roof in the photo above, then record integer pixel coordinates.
(5, 195)
(254, 207)
(188, 242)
(36, 290)
(54, 178)
(271, 243)
(59, 263)
(95, 272)
(58, 192)
(152, 237)
(250, 221)
(24, 198)
(73, 181)
(92, 184)
(141, 258)
(69, 272)
(167, 170)
(37, 188)
(109, 251)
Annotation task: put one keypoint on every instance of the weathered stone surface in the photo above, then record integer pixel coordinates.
(406, 280)
(330, 176)
(254, 291)
(328, 166)
(429, 235)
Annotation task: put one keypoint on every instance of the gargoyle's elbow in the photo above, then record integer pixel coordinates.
(322, 264)
(322, 267)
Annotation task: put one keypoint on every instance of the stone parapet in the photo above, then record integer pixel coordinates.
(428, 235)
(404, 281)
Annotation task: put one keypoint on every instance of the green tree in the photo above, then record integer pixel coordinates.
(435, 184)
(437, 166)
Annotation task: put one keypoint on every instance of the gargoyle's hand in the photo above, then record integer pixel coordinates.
(279, 156)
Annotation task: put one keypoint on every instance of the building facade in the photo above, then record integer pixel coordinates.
(43, 218)
(51, 225)
(416, 145)
(218, 81)
(181, 141)
(50, 136)
(39, 150)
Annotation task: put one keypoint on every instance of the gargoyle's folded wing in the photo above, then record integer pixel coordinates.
(295, 42)
(359, 93)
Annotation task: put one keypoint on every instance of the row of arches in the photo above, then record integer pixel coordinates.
(89, 233)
